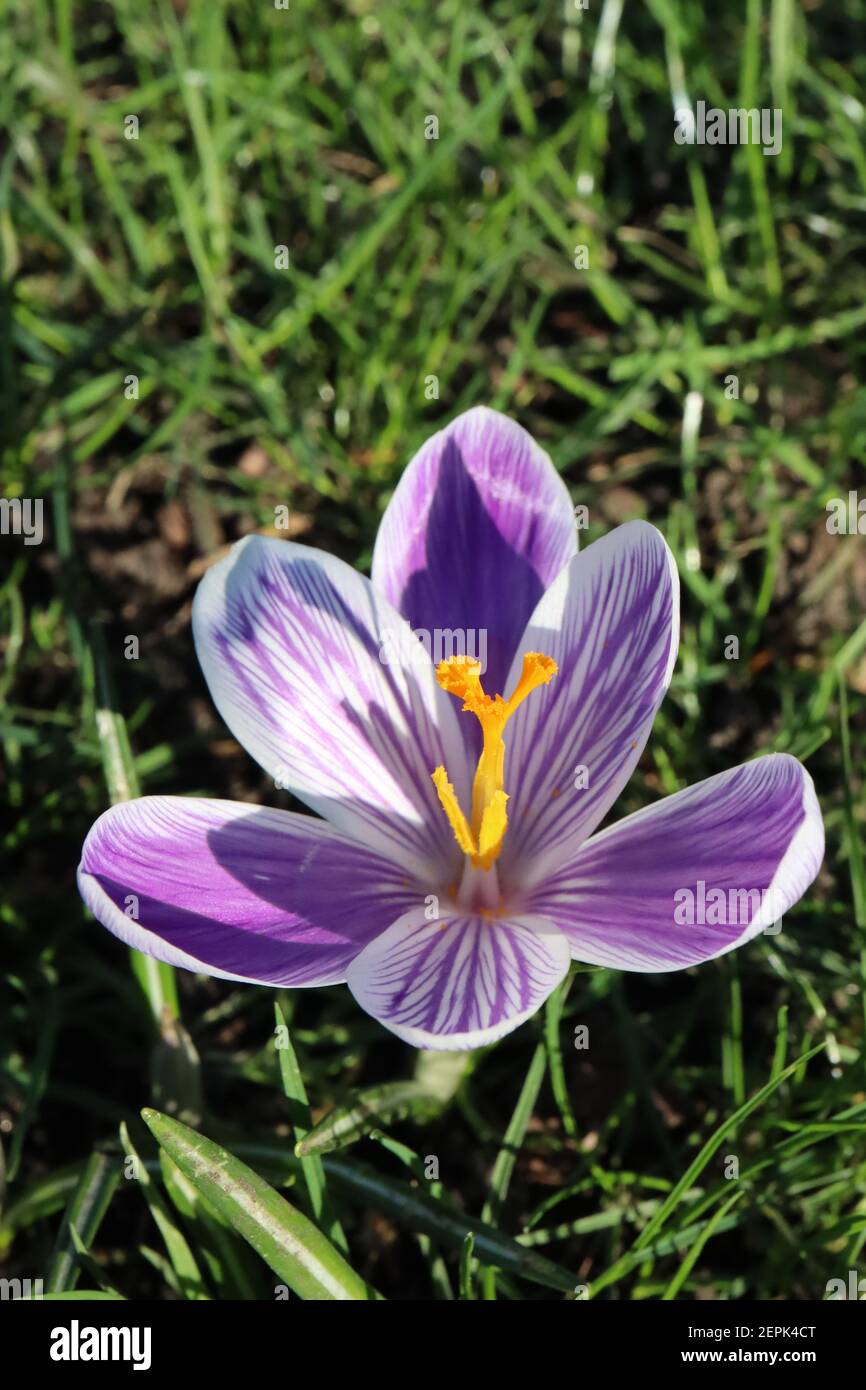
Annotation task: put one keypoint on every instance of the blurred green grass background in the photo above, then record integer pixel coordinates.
(425, 276)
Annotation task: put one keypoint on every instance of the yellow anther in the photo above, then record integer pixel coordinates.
(494, 823)
(451, 807)
(461, 676)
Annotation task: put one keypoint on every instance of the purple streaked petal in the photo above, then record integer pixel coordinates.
(238, 891)
(611, 622)
(321, 681)
(461, 981)
(625, 900)
(478, 527)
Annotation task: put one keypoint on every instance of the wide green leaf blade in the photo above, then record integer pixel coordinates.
(286, 1240)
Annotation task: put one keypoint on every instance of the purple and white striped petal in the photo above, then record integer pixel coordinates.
(693, 876)
(238, 891)
(478, 527)
(322, 682)
(460, 981)
(611, 623)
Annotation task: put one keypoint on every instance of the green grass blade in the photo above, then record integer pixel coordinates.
(299, 1113)
(694, 1253)
(698, 1164)
(183, 1261)
(87, 1207)
(511, 1143)
(445, 1223)
(157, 979)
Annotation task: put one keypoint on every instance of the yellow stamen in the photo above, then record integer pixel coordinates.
(451, 807)
(494, 823)
(461, 676)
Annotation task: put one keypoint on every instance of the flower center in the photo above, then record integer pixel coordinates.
(481, 841)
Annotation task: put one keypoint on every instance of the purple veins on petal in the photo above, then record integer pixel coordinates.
(290, 643)
(752, 836)
(237, 890)
(611, 623)
(479, 525)
(460, 981)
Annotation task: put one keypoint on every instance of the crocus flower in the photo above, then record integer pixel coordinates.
(454, 872)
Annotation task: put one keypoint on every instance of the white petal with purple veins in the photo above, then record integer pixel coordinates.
(694, 875)
(611, 623)
(461, 981)
(238, 891)
(319, 679)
